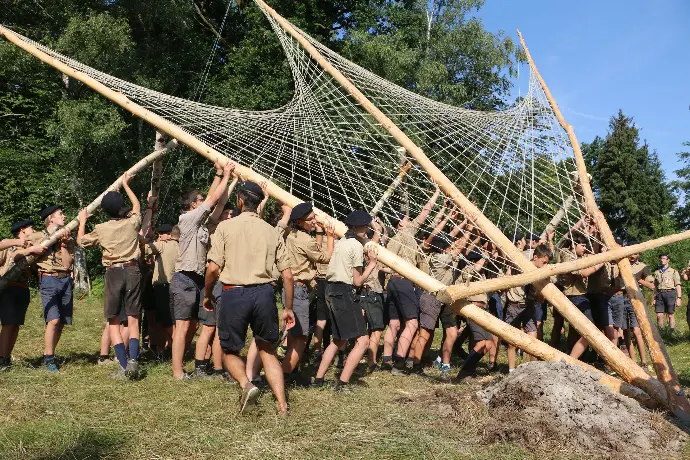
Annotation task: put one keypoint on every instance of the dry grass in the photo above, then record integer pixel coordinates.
(81, 413)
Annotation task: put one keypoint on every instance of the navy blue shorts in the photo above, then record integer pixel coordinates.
(403, 300)
(14, 301)
(583, 304)
(242, 307)
(541, 311)
(56, 297)
(347, 318)
(496, 306)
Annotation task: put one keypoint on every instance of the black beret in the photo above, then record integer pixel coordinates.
(534, 237)
(439, 243)
(474, 256)
(17, 226)
(358, 219)
(300, 211)
(228, 206)
(397, 217)
(253, 188)
(164, 228)
(236, 212)
(45, 212)
(112, 203)
(517, 236)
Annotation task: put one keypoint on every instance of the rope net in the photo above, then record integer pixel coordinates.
(516, 165)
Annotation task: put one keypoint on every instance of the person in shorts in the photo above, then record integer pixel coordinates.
(346, 273)
(14, 300)
(668, 293)
(187, 282)
(304, 252)
(246, 255)
(403, 298)
(644, 278)
(575, 288)
(371, 299)
(55, 282)
(119, 241)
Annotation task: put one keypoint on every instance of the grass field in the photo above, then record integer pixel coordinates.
(82, 413)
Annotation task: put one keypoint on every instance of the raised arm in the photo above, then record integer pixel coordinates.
(428, 207)
(440, 225)
(216, 179)
(440, 214)
(5, 244)
(83, 215)
(136, 206)
(213, 198)
(262, 206)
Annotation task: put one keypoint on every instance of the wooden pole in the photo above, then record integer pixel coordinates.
(657, 350)
(404, 169)
(619, 362)
(157, 176)
(470, 311)
(456, 292)
(19, 267)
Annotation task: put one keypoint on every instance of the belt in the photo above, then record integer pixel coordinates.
(55, 274)
(123, 265)
(667, 290)
(397, 276)
(227, 287)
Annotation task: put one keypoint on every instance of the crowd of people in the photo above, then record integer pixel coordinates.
(218, 271)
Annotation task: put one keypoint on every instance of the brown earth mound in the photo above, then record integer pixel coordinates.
(545, 402)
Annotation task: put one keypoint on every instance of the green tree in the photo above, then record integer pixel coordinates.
(628, 181)
(682, 188)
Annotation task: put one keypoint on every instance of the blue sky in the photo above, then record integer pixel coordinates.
(599, 56)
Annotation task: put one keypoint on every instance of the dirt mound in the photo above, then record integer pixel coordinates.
(544, 402)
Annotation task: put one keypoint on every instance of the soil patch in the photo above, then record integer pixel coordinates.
(544, 402)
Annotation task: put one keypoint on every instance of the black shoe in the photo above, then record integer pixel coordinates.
(341, 387)
(316, 382)
(494, 368)
(463, 374)
(132, 370)
(373, 368)
(387, 365)
(417, 369)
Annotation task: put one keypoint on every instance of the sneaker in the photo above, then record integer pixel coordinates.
(373, 368)
(341, 387)
(438, 364)
(119, 374)
(132, 370)
(316, 382)
(258, 382)
(5, 364)
(445, 371)
(200, 374)
(463, 374)
(409, 364)
(250, 394)
(51, 367)
(386, 365)
(398, 372)
(494, 367)
(417, 369)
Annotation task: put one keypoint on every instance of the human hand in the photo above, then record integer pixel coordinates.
(372, 253)
(126, 177)
(329, 228)
(678, 302)
(288, 319)
(208, 304)
(228, 168)
(83, 215)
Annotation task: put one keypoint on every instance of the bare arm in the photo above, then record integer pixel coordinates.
(6, 244)
(428, 207)
(216, 179)
(212, 274)
(67, 257)
(440, 225)
(440, 214)
(647, 284)
(136, 206)
(359, 276)
(212, 198)
(83, 215)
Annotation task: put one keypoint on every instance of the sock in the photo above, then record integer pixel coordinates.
(102, 358)
(133, 349)
(386, 359)
(200, 363)
(399, 363)
(48, 358)
(511, 370)
(121, 354)
(472, 361)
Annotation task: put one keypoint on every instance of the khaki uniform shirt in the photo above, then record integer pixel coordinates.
(51, 260)
(119, 239)
(321, 270)
(468, 275)
(248, 250)
(666, 280)
(194, 240)
(641, 271)
(348, 254)
(404, 245)
(7, 262)
(304, 254)
(165, 255)
(441, 267)
(573, 283)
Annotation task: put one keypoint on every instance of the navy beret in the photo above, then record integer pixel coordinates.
(253, 188)
(300, 211)
(358, 219)
(439, 243)
(112, 203)
(17, 226)
(45, 212)
(164, 228)
(474, 256)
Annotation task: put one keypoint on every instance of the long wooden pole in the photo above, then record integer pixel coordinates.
(391, 188)
(456, 292)
(622, 364)
(657, 350)
(156, 177)
(651, 396)
(19, 267)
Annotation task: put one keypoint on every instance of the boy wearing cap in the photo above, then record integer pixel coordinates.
(187, 282)
(304, 252)
(667, 294)
(55, 281)
(345, 275)
(403, 301)
(371, 298)
(14, 300)
(244, 254)
(119, 240)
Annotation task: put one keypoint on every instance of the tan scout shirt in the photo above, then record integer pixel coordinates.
(348, 254)
(441, 267)
(194, 240)
(119, 239)
(641, 271)
(573, 283)
(666, 280)
(51, 260)
(7, 262)
(304, 254)
(165, 254)
(404, 245)
(248, 250)
(321, 270)
(468, 275)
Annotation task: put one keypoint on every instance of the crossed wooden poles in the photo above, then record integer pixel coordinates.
(664, 392)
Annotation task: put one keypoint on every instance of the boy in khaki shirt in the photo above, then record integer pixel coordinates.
(119, 240)
(668, 293)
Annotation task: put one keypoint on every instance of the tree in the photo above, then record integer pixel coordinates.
(682, 188)
(628, 181)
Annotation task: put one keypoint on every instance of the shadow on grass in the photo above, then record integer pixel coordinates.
(671, 337)
(90, 444)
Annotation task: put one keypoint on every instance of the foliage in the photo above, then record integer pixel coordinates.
(682, 188)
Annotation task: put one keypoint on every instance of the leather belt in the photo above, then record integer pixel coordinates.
(55, 274)
(227, 287)
(667, 290)
(123, 265)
